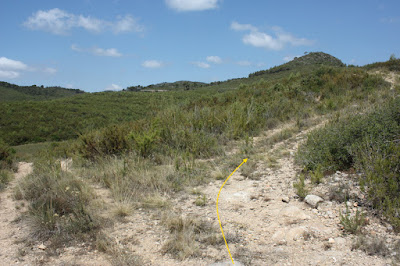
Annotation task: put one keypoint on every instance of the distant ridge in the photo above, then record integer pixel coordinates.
(182, 84)
(310, 59)
(13, 92)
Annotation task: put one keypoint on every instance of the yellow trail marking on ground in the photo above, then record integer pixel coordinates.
(219, 220)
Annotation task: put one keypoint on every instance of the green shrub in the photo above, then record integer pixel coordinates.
(335, 146)
(317, 175)
(352, 223)
(111, 140)
(369, 143)
(300, 187)
(6, 156)
(145, 142)
(5, 178)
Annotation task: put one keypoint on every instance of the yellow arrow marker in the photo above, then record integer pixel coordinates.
(219, 220)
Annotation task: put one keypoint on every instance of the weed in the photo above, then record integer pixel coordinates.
(340, 193)
(186, 236)
(5, 178)
(122, 209)
(201, 200)
(352, 223)
(220, 174)
(300, 187)
(371, 246)
(58, 202)
(248, 168)
(317, 175)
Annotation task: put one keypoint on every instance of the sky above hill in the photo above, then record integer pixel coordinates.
(109, 45)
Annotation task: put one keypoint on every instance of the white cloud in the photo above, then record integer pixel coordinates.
(241, 27)
(60, 22)
(76, 48)
(127, 24)
(260, 39)
(113, 87)
(11, 69)
(152, 64)
(390, 20)
(201, 64)
(192, 5)
(113, 52)
(6, 74)
(214, 59)
(289, 58)
(9, 64)
(244, 63)
(277, 41)
(50, 70)
(106, 52)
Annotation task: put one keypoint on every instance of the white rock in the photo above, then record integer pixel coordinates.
(285, 199)
(294, 213)
(42, 247)
(313, 200)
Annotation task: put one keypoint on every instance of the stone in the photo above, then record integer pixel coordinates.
(293, 213)
(331, 241)
(340, 241)
(285, 199)
(42, 247)
(296, 233)
(313, 200)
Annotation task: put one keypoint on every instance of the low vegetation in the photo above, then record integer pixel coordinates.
(145, 147)
(369, 143)
(59, 203)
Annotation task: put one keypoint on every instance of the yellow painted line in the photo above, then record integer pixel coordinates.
(219, 220)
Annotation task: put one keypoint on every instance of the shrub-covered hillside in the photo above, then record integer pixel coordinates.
(11, 92)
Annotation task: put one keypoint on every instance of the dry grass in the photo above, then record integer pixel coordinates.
(187, 235)
(119, 255)
(371, 246)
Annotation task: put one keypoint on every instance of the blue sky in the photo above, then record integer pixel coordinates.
(98, 45)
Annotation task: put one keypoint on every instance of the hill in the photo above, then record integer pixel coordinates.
(314, 59)
(26, 121)
(322, 155)
(11, 92)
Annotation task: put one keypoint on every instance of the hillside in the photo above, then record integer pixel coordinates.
(177, 85)
(313, 59)
(137, 183)
(27, 121)
(11, 92)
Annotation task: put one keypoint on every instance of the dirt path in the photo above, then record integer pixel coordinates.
(11, 231)
(265, 222)
(263, 219)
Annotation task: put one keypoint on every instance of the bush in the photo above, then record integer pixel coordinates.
(145, 141)
(5, 178)
(58, 202)
(370, 144)
(336, 146)
(108, 141)
(371, 246)
(6, 156)
(300, 187)
(352, 223)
